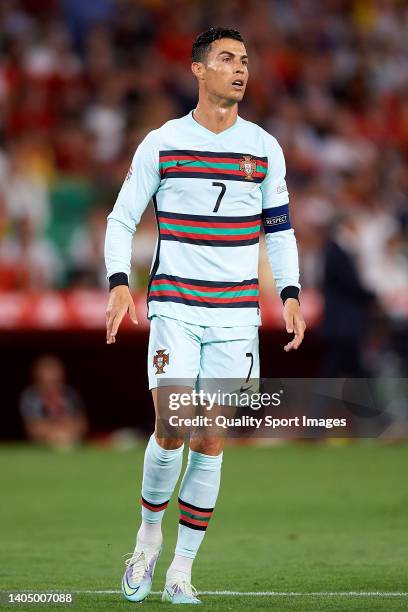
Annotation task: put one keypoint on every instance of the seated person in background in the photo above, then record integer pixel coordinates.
(52, 412)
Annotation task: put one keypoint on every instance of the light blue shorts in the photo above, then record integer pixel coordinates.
(180, 351)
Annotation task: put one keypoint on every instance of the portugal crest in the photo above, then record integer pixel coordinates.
(160, 359)
(248, 165)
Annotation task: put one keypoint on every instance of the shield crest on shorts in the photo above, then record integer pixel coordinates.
(248, 165)
(160, 359)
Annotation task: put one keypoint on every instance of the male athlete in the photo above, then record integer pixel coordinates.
(214, 179)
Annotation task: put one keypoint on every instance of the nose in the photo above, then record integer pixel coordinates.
(239, 68)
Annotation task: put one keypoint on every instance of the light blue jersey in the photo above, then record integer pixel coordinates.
(212, 193)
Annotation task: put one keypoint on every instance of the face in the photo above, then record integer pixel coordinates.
(224, 72)
(49, 372)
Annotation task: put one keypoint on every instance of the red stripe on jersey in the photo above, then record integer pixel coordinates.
(199, 298)
(209, 170)
(213, 237)
(209, 160)
(163, 281)
(209, 224)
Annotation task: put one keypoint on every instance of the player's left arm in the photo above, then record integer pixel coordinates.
(281, 244)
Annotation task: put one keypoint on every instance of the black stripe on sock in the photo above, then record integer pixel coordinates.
(154, 505)
(180, 501)
(197, 527)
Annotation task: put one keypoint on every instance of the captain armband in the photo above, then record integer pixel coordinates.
(276, 219)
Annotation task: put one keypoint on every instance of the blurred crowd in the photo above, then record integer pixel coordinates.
(81, 83)
(53, 413)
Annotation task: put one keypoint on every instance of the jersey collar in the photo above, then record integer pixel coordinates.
(209, 132)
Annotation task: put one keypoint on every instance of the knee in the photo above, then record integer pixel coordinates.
(207, 446)
(169, 443)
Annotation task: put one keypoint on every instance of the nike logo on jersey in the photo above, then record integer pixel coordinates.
(179, 163)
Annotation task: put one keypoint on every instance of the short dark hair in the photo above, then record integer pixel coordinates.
(202, 43)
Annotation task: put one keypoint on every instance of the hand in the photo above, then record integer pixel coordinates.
(294, 323)
(120, 302)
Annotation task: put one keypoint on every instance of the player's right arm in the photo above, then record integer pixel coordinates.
(140, 185)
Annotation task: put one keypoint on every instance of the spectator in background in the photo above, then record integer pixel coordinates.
(348, 303)
(106, 121)
(52, 412)
(24, 190)
(27, 261)
(86, 249)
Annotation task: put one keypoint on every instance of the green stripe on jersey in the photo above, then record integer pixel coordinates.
(224, 294)
(208, 165)
(210, 230)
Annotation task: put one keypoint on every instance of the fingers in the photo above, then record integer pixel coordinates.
(289, 319)
(294, 344)
(291, 345)
(113, 326)
(299, 327)
(116, 310)
(114, 316)
(132, 313)
(110, 314)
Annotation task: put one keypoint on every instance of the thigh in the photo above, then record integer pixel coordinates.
(230, 353)
(173, 353)
(229, 369)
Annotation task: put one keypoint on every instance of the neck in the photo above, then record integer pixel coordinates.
(215, 115)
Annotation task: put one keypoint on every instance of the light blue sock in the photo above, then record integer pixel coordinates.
(161, 471)
(197, 498)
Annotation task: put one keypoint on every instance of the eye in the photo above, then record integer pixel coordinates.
(227, 59)
(245, 62)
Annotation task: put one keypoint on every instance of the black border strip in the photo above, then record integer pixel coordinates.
(180, 501)
(209, 175)
(191, 153)
(203, 283)
(197, 527)
(212, 243)
(191, 302)
(210, 218)
(155, 505)
(157, 258)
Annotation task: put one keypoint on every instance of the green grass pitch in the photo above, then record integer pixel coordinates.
(298, 518)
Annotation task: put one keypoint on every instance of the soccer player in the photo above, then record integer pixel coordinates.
(215, 178)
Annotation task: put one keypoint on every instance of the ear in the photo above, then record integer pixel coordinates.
(198, 69)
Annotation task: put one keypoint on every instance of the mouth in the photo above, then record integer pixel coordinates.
(238, 83)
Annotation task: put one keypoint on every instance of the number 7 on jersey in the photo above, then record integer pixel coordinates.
(220, 196)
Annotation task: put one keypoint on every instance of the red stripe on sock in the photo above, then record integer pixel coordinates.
(154, 508)
(187, 519)
(197, 512)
